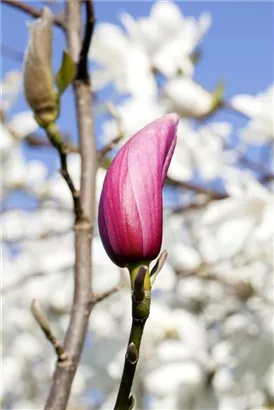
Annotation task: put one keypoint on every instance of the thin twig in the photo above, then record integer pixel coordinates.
(62, 355)
(12, 53)
(191, 206)
(112, 144)
(105, 295)
(243, 289)
(265, 174)
(21, 282)
(34, 140)
(83, 296)
(57, 140)
(197, 188)
(32, 11)
(121, 133)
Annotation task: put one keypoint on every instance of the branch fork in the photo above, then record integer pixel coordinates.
(63, 357)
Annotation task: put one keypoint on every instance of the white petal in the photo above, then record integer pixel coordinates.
(10, 88)
(191, 330)
(100, 78)
(167, 15)
(246, 104)
(36, 172)
(181, 167)
(167, 379)
(187, 97)
(205, 21)
(7, 140)
(109, 45)
(141, 81)
(23, 124)
(184, 257)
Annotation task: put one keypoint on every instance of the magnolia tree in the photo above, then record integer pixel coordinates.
(208, 338)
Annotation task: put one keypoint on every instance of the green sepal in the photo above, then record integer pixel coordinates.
(196, 55)
(66, 73)
(218, 95)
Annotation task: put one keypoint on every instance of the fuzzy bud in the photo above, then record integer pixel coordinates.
(38, 78)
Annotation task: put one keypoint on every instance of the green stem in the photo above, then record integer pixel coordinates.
(140, 314)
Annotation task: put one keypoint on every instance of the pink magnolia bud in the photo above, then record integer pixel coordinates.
(131, 205)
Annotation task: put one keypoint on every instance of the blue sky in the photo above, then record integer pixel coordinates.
(238, 48)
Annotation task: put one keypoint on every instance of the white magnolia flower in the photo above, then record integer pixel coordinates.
(168, 37)
(27, 346)
(187, 98)
(259, 108)
(164, 40)
(22, 124)
(123, 62)
(57, 189)
(229, 226)
(20, 174)
(169, 378)
(200, 150)
(10, 88)
(7, 140)
(183, 256)
(14, 172)
(106, 275)
(135, 113)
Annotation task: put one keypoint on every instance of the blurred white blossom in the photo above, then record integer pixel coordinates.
(208, 342)
(260, 129)
(135, 113)
(199, 149)
(168, 37)
(126, 65)
(187, 98)
(10, 88)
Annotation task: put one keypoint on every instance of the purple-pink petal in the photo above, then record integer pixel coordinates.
(130, 209)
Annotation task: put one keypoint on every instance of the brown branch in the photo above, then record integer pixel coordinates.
(107, 148)
(12, 53)
(121, 133)
(265, 174)
(21, 282)
(34, 140)
(97, 298)
(191, 206)
(83, 296)
(197, 188)
(32, 11)
(63, 358)
(105, 295)
(242, 289)
(82, 72)
(57, 141)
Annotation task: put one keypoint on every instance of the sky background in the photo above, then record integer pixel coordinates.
(238, 49)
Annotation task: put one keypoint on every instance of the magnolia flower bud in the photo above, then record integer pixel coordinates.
(38, 78)
(131, 205)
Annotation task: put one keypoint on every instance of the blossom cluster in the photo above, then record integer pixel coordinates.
(209, 339)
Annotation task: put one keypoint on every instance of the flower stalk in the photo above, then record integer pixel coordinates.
(141, 296)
